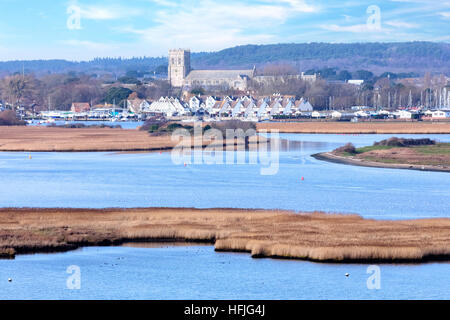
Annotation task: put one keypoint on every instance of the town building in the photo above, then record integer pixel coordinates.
(137, 105)
(440, 114)
(169, 107)
(181, 74)
(355, 82)
(79, 107)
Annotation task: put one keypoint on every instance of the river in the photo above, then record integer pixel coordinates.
(97, 180)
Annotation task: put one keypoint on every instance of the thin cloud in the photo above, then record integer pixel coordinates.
(300, 5)
(96, 12)
(357, 28)
(212, 25)
(445, 15)
(401, 24)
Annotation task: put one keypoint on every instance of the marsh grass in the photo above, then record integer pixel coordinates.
(280, 234)
(334, 127)
(47, 139)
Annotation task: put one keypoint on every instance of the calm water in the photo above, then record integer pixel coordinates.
(99, 180)
(124, 124)
(201, 273)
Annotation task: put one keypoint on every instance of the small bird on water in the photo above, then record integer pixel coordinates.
(347, 275)
(9, 280)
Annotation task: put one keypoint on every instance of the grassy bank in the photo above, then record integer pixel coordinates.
(358, 128)
(393, 153)
(281, 234)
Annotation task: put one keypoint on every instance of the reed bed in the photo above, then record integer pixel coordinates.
(277, 234)
(358, 128)
(57, 139)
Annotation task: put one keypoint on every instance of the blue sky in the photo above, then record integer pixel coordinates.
(48, 29)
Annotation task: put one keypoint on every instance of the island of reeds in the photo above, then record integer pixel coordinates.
(317, 236)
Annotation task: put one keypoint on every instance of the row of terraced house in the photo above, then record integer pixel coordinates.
(244, 107)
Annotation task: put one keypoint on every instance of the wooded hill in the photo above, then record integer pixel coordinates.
(417, 57)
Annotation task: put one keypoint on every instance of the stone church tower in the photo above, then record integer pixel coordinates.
(179, 66)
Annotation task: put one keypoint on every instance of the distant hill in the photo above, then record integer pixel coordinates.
(418, 57)
(97, 66)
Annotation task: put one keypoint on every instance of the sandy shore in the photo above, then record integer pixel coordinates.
(278, 234)
(331, 157)
(358, 127)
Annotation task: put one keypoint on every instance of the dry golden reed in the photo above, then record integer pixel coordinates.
(359, 127)
(262, 233)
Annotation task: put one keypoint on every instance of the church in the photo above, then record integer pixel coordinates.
(181, 75)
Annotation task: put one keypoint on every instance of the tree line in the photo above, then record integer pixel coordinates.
(59, 91)
(389, 90)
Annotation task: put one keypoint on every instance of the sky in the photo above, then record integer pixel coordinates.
(84, 29)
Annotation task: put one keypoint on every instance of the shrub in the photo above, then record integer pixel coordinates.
(348, 148)
(234, 125)
(153, 124)
(9, 118)
(174, 126)
(206, 128)
(401, 142)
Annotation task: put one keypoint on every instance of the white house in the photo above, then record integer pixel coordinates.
(440, 114)
(263, 108)
(404, 114)
(303, 106)
(236, 108)
(210, 102)
(288, 106)
(355, 82)
(194, 104)
(275, 108)
(137, 105)
(168, 106)
(317, 114)
(336, 114)
(361, 114)
(225, 107)
(251, 110)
